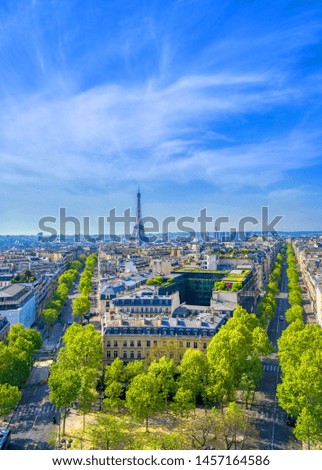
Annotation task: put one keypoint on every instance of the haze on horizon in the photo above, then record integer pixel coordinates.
(202, 103)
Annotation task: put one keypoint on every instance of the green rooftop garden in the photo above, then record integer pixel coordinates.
(198, 270)
(160, 281)
(223, 286)
(232, 277)
(25, 277)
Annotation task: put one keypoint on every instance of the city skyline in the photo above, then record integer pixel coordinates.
(200, 103)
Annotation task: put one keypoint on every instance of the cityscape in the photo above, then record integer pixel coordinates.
(161, 237)
(108, 320)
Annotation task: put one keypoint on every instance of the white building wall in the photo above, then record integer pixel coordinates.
(25, 314)
(319, 304)
(212, 262)
(130, 267)
(175, 301)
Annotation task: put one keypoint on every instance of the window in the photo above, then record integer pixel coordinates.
(195, 344)
(188, 344)
(139, 344)
(181, 344)
(132, 344)
(148, 343)
(115, 345)
(155, 343)
(115, 353)
(124, 355)
(108, 343)
(124, 344)
(132, 354)
(204, 345)
(108, 354)
(139, 355)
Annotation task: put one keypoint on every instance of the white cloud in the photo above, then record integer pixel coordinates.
(142, 132)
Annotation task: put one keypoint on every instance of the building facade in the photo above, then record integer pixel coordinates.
(17, 303)
(142, 339)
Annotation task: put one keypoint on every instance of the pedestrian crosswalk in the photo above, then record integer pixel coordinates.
(32, 410)
(277, 417)
(270, 367)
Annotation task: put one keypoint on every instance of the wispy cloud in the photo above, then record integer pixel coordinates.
(102, 97)
(167, 131)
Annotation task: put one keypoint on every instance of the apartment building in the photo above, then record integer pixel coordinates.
(138, 339)
(17, 303)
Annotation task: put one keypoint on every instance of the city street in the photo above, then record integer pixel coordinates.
(271, 418)
(32, 422)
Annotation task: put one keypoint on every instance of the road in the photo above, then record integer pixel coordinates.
(32, 422)
(270, 418)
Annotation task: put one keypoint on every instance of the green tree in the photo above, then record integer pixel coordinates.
(14, 364)
(108, 432)
(164, 370)
(168, 348)
(131, 370)
(234, 426)
(183, 402)
(300, 392)
(81, 305)
(75, 265)
(9, 399)
(87, 393)
(85, 288)
(83, 348)
(49, 316)
(143, 398)
(193, 372)
(114, 372)
(294, 313)
(113, 393)
(308, 427)
(203, 430)
(64, 386)
(272, 286)
(29, 334)
(62, 291)
(233, 353)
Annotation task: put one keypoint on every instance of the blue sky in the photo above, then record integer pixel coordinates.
(201, 103)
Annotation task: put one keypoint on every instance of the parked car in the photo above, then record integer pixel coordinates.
(282, 318)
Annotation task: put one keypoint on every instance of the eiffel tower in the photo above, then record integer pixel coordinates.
(138, 231)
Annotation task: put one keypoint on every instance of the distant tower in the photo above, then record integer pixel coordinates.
(138, 231)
